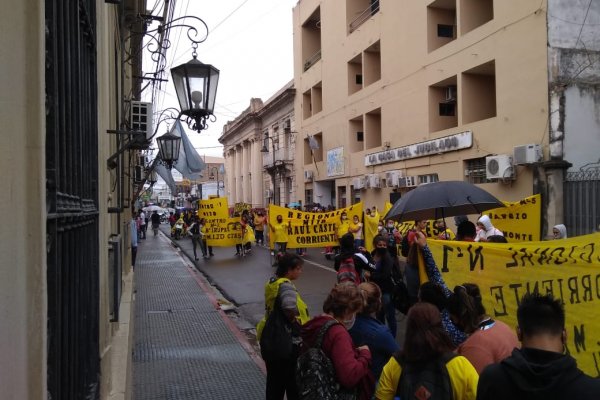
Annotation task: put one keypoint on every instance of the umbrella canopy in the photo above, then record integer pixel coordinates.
(152, 208)
(442, 199)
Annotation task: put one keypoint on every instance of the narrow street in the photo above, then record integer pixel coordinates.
(242, 280)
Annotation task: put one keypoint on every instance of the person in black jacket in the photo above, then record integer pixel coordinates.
(540, 369)
(385, 266)
(363, 262)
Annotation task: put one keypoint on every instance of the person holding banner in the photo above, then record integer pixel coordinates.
(541, 369)
(356, 229)
(341, 229)
(280, 235)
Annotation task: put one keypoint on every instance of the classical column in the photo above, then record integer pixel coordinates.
(239, 157)
(258, 190)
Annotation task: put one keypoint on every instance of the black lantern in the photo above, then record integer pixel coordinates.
(196, 88)
(168, 149)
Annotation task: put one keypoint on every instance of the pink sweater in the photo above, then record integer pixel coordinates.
(489, 346)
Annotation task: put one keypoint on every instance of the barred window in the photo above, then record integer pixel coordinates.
(475, 170)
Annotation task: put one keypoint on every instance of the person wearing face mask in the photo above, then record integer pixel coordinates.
(382, 276)
(280, 235)
(351, 364)
(341, 228)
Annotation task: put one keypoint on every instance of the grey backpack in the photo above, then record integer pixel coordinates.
(315, 374)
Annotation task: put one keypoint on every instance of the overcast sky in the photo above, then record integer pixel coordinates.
(249, 41)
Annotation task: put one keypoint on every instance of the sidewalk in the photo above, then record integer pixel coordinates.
(185, 346)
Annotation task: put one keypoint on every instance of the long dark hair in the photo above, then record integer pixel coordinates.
(466, 307)
(425, 338)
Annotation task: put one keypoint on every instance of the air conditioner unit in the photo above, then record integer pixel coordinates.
(407, 181)
(358, 183)
(308, 176)
(527, 154)
(450, 93)
(268, 193)
(392, 178)
(372, 181)
(140, 117)
(287, 125)
(138, 174)
(499, 167)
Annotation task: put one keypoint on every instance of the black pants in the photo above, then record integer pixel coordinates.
(281, 379)
(133, 255)
(196, 241)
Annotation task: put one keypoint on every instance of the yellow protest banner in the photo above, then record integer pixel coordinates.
(220, 230)
(239, 208)
(308, 229)
(569, 269)
(520, 221)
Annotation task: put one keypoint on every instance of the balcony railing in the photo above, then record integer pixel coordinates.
(363, 16)
(312, 60)
(281, 157)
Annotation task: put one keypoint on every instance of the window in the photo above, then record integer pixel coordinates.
(360, 136)
(446, 31)
(475, 170)
(447, 109)
(358, 79)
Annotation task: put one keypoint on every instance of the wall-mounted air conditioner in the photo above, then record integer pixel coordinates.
(392, 178)
(287, 125)
(372, 181)
(308, 175)
(407, 181)
(140, 117)
(527, 154)
(499, 167)
(358, 183)
(268, 193)
(450, 93)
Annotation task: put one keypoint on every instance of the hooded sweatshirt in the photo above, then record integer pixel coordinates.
(488, 229)
(351, 365)
(537, 374)
(563, 231)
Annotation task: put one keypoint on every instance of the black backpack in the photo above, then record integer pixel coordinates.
(400, 297)
(315, 374)
(428, 382)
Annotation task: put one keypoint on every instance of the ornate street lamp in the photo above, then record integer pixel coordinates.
(196, 88)
(168, 149)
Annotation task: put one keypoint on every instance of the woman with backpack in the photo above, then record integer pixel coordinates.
(327, 343)
(280, 291)
(426, 363)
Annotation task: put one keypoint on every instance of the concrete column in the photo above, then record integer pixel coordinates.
(247, 172)
(555, 177)
(238, 174)
(258, 190)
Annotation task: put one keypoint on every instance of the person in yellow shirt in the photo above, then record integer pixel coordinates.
(341, 228)
(426, 343)
(443, 232)
(356, 228)
(280, 234)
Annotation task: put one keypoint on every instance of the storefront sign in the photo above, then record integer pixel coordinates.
(463, 140)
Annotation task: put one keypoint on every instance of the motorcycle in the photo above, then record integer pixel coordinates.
(179, 227)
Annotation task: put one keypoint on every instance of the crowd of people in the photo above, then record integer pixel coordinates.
(452, 348)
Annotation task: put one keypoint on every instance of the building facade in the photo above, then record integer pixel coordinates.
(68, 90)
(259, 148)
(395, 94)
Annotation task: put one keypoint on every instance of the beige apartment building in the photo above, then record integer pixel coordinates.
(259, 148)
(392, 94)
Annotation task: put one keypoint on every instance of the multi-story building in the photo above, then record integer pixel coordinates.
(259, 148)
(394, 94)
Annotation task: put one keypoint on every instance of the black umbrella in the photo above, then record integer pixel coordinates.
(442, 199)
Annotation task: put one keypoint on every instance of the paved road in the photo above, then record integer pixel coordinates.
(242, 280)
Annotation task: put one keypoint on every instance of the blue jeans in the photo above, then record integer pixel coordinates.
(388, 312)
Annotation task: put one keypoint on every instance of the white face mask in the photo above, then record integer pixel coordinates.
(349, 323)
(344, 217)
(379, 227)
